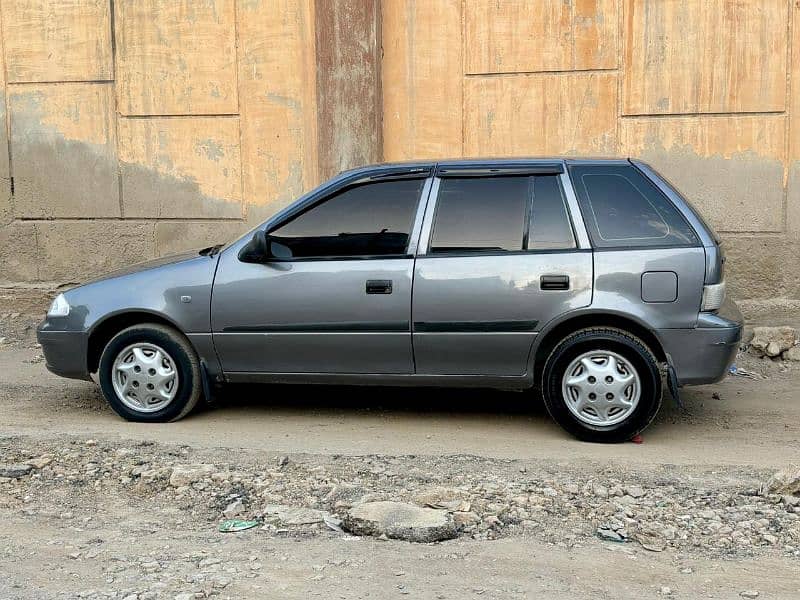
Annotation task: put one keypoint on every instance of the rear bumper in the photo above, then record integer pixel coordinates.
(64, 352)
(705, 353)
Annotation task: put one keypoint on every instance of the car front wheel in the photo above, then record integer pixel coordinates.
(602, 385)
(150, 372)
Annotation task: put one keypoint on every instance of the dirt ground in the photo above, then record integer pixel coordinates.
(102, 517)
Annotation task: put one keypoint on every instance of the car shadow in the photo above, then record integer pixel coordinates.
(300, 398)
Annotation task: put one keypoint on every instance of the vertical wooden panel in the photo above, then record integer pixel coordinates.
(57, 40)
(540, 114)
(176, 57)
(548, 35)
(348, 84)
(422, 79)
(277, 87)
(181, 167)
(689, 56)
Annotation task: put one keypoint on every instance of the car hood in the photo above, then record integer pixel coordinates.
(147, 265)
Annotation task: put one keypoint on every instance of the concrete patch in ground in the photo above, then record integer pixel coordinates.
(401, 521)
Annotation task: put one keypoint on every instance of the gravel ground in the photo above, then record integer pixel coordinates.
(97, 508)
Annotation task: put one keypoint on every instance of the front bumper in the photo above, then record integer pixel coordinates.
(705, 353)
(65, 352)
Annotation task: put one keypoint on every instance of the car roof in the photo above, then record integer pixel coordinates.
(479, 163)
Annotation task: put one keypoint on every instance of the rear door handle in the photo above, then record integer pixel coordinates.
(379, 286)
(554, 282)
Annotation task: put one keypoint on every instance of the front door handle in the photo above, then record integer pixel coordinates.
(554, 282)
(379, 286)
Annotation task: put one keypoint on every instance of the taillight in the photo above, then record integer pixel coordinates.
(713, 296)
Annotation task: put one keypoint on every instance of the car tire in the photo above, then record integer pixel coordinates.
(602, 385)
(162, 365)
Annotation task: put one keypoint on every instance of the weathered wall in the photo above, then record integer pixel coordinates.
(708, 91)
(131, 128)
(134, 128)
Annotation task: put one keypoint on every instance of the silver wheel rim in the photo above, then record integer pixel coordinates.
(145, 377)
(601, 388)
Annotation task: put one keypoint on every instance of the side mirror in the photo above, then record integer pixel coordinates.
(263, 248)
(255, 251)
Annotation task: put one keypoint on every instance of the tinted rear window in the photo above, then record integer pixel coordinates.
(480, 215)
(622, 207)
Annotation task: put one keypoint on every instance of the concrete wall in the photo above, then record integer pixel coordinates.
(708, 91)
(132, 128)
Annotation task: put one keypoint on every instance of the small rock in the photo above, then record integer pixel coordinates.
(91, 443)
(283, 461)
(783, 482)
(39, 463)
(15, 470)
(665, 591)
(399, 520)
(771, 341)
(208, 562)
(749, 594)
(187, 475)
(437, 496)
(234, 509)
(634, 491)
(792, 354)
(650, 540)
(464, 519)
(606, 533)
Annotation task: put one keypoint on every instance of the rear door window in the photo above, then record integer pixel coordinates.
(501, 214)
(480, 215)
(622, 208)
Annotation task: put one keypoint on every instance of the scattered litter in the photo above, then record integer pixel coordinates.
(234, 525)
(334, 523)
(734, 370)
(637, 439)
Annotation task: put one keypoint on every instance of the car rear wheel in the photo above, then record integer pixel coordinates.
(602, 385)
(150, 372)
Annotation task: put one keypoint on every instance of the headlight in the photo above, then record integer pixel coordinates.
(713, 296)
(59, 307)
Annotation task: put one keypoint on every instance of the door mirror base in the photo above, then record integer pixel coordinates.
(262, 248)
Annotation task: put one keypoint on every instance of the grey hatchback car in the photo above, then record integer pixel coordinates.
(591, 280)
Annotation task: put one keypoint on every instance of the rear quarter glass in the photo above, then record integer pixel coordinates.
(697, 214)
(623, 208)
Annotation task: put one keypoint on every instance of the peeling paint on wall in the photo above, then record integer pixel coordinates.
(732, 168)
(180, 167)
(64, 150)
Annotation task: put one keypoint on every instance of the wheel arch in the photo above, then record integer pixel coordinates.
(102, 331)
(554, 332)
